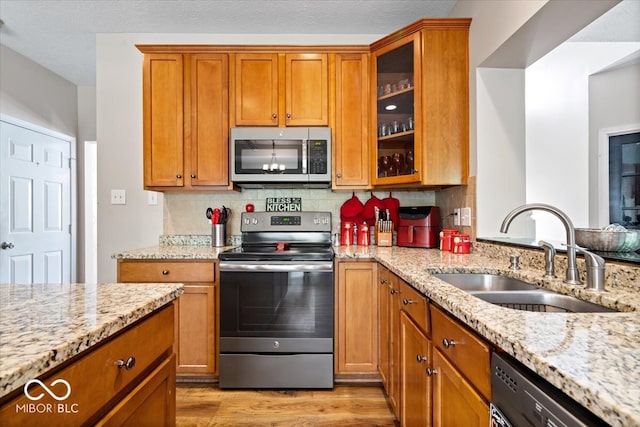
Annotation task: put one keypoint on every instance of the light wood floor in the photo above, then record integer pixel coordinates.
(206, 405)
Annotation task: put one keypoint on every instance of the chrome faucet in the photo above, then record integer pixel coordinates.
(571, 276)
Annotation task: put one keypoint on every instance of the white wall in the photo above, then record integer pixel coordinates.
(34, 94)
(557, 129)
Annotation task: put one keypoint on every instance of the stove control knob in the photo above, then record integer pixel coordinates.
(246, 221)
(254, 221)
(276, 344)
(325, 220)
(316, 221)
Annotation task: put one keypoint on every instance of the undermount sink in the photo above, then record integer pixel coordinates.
(543, 301)
(474, 282)
(518, 295)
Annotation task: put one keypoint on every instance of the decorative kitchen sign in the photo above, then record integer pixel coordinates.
(284, 204)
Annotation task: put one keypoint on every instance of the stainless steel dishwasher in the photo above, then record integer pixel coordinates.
(522, 398)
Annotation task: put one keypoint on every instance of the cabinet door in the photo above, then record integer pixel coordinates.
(151, 403)
(416, 384)
(396, 155)
(256, 89)
(356, 319)
(306, 89)
(195, 342)
(394, 342)
(455, 402)
(351, 144)
(384, 335)
(163, 112)
(209, 120)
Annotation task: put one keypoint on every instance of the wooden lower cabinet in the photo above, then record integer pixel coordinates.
(151, 403)
(105, 390)
(435, 371)
(416, 384)
(356, 311)
(196, 335)
(455, 401)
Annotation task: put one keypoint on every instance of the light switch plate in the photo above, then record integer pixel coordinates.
(456, 216)
(152, 198)
(118, 197)
(465, 217)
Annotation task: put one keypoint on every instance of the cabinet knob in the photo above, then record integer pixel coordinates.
(274, 116)
(448, 343)
(288, 115)
(126, 364)
(408, 301)
(383, 281)
(421, 358)
(165, 272)
(193, 175)
(393, 291)
(179, 176)
(338, 175)
(431, 372)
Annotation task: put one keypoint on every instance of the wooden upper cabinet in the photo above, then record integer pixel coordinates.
(278, 89)
(163, 111)
(256, 89)
(186, 120)
(420, 78)
(307, 89)
(350, 144)
(209, 118)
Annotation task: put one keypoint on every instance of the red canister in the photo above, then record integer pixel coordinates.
(461, 244)
(446, 238)
(363, 234)
(346, 234)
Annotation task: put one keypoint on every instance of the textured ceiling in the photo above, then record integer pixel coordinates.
(61, 34)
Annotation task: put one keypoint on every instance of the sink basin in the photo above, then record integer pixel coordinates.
(518, 295)
(544, 301)
(478, 282)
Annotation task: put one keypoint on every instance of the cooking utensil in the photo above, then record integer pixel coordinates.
(209, 213)
(215, 219)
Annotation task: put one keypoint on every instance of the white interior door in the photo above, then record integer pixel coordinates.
(35, 206)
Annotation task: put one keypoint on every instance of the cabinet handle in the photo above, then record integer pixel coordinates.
(431, 372)
(274, 116)
(179, 176)
(383, 281)
(448, 343)
(128, 364)
(393, 291)
(193, 175)
(420, 358)
(165, 272)
(408, 301)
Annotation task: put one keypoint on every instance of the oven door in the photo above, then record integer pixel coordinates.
(276, 307)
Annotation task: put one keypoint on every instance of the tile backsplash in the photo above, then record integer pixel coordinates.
(184, 213)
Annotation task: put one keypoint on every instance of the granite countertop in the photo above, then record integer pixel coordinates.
(592, 357)
(42, 326)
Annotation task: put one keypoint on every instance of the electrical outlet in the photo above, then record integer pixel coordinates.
(456, 216)
(152, 198)
(465, 217)
(118, 197)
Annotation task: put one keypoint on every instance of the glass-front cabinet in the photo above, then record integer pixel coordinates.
(420, 119)
(397, 104)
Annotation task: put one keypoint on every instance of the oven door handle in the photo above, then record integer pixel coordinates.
(276, 266)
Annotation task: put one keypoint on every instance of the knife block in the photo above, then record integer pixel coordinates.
(384, 239)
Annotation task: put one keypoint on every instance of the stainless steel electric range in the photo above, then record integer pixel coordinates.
(276, 303)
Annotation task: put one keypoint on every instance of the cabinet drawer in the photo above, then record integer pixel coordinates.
(468, 353)
(415, 305)
(166, 271)
(95, 379)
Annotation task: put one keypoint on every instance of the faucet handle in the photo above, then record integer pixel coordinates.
(595, 269)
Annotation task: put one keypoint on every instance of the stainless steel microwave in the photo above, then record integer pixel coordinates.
(281, 157)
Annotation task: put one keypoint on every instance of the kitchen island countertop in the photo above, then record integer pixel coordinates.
(43, 326)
